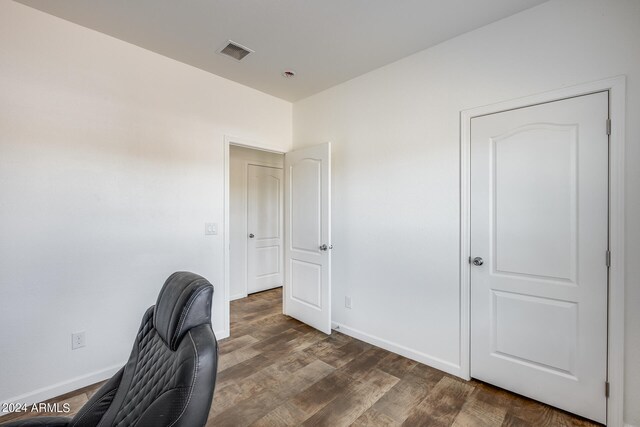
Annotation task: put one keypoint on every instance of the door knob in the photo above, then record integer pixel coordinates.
(478, 261)
(251, 236)
(325, 247)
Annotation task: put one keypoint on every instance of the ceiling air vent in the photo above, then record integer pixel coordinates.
(235, 51)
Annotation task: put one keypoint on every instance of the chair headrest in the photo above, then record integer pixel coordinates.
(184, 303)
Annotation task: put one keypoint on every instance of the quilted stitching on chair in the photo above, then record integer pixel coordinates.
(154, 374)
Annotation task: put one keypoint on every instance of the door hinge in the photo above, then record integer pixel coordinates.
(608, 258)
(608, 126)
(606, 389)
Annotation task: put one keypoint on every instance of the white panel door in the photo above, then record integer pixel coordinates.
(539, 213)
(307, 289)
(264, 224)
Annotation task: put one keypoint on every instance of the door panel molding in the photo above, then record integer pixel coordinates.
(512, 260)
(616, 88)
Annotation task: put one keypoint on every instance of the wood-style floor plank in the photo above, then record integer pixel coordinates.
(254, 407)
(442, 404)
(412, 388)
(357, 397)
(276, 371)
(227, 346)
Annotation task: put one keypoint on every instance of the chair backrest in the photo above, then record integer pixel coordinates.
(171, 373)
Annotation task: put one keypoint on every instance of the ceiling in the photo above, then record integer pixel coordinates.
(325, 41)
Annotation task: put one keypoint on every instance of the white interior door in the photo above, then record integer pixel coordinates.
(264, 225)
(307, 289)
(539, 212)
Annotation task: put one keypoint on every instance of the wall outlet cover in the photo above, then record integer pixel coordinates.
(78, 340)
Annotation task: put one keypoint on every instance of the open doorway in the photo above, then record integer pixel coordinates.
(291, 193)
(256, 221)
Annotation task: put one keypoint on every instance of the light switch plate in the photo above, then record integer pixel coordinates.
(210, 228)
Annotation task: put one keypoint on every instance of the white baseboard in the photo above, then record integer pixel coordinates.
(434, 362)
(63, 387)
(237, 296)
(628, 425)
(220, 335)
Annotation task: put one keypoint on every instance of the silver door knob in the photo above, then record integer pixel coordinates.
(251, 236)
(478, 261)
(325, 247)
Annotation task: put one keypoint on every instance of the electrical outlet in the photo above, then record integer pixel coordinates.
(78, 340)
(347, 302)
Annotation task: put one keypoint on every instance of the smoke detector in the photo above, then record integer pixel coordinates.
(288, 74)
(235, 50)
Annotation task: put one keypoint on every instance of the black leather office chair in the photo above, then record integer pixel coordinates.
(171, 373)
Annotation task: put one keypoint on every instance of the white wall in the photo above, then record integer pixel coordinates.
(111, 161)
(395, 134)
(239, 158)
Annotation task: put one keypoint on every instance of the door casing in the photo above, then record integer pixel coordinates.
(616, 87)
(228, 142)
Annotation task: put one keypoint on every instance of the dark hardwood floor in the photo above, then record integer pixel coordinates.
(276, 371)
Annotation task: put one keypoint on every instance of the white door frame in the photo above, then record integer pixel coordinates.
(228, 142)
(617, 90)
